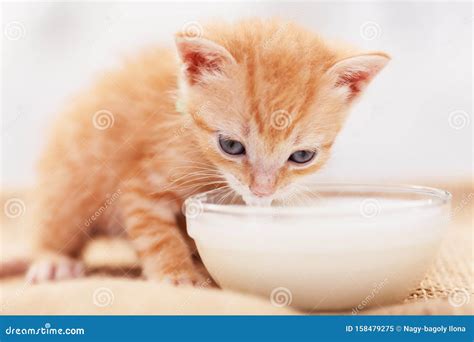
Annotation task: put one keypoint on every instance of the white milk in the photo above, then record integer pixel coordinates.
(323, 261)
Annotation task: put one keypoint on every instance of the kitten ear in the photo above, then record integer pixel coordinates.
(355, 73)
(200, 56)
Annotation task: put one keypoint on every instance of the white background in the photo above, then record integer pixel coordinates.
(400, 131)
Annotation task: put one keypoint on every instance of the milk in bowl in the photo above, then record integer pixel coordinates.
(345, 246)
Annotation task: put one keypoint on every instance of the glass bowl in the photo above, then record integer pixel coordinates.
(339, 246)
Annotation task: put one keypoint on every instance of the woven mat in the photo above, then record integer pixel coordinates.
(451, 276)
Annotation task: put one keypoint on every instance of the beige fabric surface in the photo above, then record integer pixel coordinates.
(112, 286)
(111, 296)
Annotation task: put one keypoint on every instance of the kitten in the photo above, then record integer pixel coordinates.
(252, 107)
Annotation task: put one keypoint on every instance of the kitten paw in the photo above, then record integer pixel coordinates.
(184, 279)
(51, 270)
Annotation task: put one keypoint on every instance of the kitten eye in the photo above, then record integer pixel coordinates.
(232, 147)
(302, 157)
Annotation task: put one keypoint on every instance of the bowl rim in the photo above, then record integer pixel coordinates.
(437, 196)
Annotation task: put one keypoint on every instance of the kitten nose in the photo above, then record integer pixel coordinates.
(261, 191)
(262, 185)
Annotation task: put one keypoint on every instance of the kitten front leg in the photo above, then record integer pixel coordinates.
(151, 224)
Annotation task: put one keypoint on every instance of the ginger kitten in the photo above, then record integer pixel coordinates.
(252, 107)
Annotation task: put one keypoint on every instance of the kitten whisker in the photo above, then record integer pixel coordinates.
(189, 175)
(223, 197)
(195, 182)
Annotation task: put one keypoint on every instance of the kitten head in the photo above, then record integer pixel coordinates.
(268, 99)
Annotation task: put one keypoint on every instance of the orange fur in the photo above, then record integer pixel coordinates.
(162, 145)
